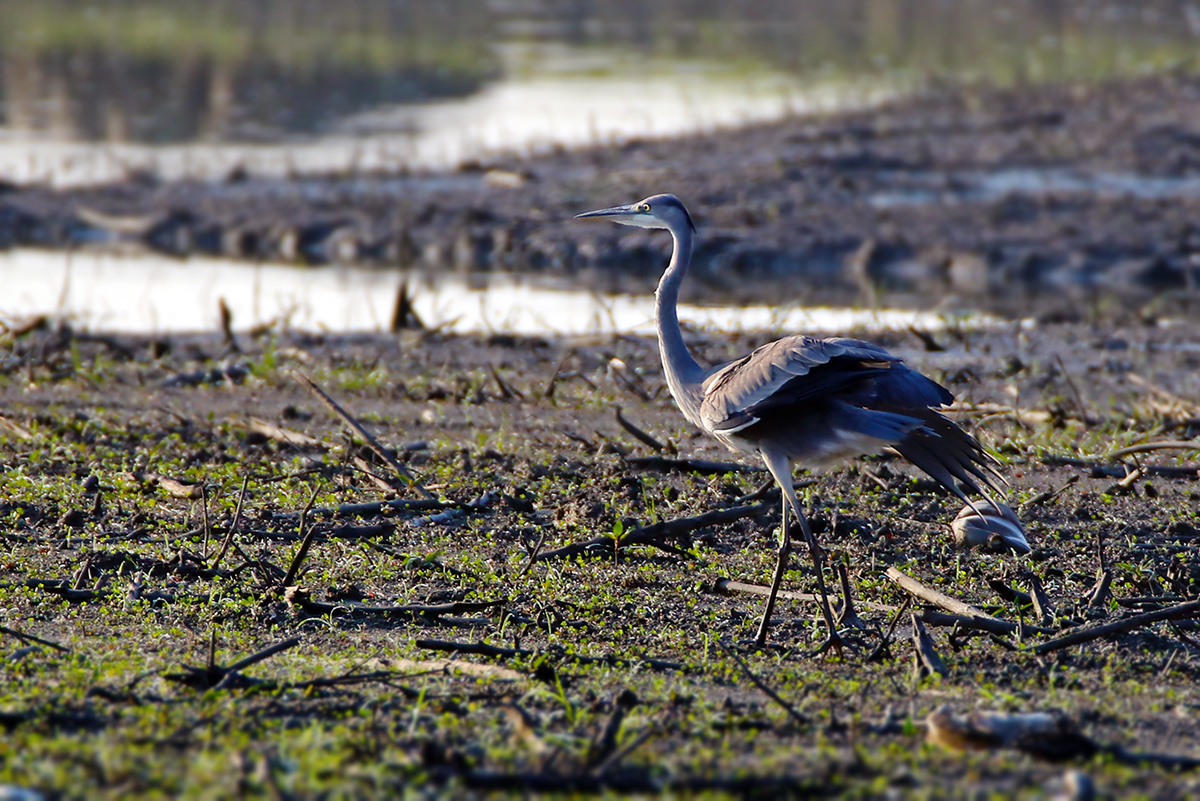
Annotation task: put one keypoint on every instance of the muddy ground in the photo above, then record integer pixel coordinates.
(1051, 199)
(126, 462)
(171, 507)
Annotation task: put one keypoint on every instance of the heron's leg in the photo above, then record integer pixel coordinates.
(814, 551)
(785, 550)
(781, 469)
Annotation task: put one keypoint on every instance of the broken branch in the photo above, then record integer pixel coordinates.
(1189, 609)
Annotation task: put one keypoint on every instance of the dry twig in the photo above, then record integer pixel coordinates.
(299, 597)
(214, 677)
(766, 689)
(363, 434)
(701, 466)
(484, 649)
(655, 534)
(20, 635)
(726, 586)
(928, 659)
(977, 617)
(1189, 609)
(1150, 447)
(637, 433)
(306, 535)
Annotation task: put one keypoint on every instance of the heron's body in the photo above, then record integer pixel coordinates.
(804, 400)
(823, 401)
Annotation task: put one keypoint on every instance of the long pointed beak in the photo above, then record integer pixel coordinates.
(615, 211)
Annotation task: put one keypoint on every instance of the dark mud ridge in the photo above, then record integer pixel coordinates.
(1060, 200)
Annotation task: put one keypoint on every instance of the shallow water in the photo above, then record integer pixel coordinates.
(138, 293)
(93, 90)
(521, 116)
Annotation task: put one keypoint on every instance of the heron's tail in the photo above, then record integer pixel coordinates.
(951, 456)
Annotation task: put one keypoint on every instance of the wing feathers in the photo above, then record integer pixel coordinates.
(950, 456)
(802, 396)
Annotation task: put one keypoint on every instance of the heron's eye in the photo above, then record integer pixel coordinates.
(643, 207)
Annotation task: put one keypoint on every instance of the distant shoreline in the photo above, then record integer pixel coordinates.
(1053, 196)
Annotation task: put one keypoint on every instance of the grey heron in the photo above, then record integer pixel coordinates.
(803, 400)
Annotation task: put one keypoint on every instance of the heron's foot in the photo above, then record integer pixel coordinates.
(834, 641)
(848, 618)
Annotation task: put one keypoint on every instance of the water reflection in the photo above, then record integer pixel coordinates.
(518, 115)
(163, 71)
(147, 294)
(391, 83)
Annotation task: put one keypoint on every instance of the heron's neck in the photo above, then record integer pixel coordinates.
(684, 375)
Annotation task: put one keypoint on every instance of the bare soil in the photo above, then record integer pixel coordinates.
(165, 515)
(126, 461)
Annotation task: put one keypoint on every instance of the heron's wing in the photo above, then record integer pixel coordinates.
(851, 386)
(949, 454)
(794, 370)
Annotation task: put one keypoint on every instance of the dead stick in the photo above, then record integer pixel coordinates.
(685, 524)
(265, 653)
(1049, 495)
(533, 555)
(1189, 609)
(285, 435)
(882, 648)
(930, 595)
(20, 635)
(1114, 471)
(484, 649)
(306, 534)
(637, 433)
(989, 624)
(702, 466)
(63, 590)
(300, 598)
(1041, 601)
(506, 392)
(549, 393)
(376, 479)
(207, 527)
(365, 435)
(1155, 389)
(475, 648)
(378, 507)
(726, 586)
(926, 653)
(1130, 479)
(760, 684)
(618, 756)
(1148, 447)
(655, 533)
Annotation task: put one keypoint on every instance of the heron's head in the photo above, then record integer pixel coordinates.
(656, 211)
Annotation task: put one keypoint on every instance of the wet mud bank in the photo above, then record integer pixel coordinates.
(1056, 200)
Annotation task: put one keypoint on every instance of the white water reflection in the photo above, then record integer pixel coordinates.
(108, 292)
(522, 115)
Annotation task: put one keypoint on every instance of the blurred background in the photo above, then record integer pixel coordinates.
(193, 86)
(98, 91)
